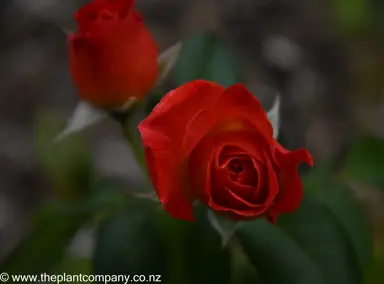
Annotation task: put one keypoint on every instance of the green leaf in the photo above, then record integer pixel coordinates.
(74, 266)
(353, 16)
(222, 67)
(365, 161)
(43, 248)
(129, 242)
(68, 164)
(376, 271)
(277, 258)
(196, 254)
(83, 116)
(346, 211)
(204, 56)
(152, 100)
(242, 271)
(106, 194)
(314, 228)
(53, 228)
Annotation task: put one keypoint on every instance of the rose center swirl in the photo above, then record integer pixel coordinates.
(235, 166)
(241, 169)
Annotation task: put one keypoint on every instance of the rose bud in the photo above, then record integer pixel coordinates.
(204, 142)
(112, 56)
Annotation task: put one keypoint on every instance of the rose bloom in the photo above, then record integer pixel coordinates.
(204, 142)
(112, 57)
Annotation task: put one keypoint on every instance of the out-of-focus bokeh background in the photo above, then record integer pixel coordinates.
(325, 58)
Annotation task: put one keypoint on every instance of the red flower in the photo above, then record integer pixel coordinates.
(203, 142)
(113, 56)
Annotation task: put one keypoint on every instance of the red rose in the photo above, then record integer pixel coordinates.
(204, 142)
(113, 56)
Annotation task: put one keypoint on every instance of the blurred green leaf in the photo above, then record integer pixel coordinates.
(53, 228)
(195, 251)
(378, 22)
(352, 16)
(315, 230)
(242, 271)
(75, 266)
(277, 258)
(67, 163)
(376, 271)
(347, 212)
(152, 100)
(205, 56)
(202, 56)
(365, 161)
(129, 242)
(223, 67)
(106, 194)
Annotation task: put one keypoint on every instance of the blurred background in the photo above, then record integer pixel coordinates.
(325, 58)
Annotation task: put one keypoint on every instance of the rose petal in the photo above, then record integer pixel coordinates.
(273, 183)
(168, 119)
(291, 191)
(246, 141)
(173, 113)
(235, 109)
(166, 172)
(200, 160)
(229, 152)
(224, 192)
(115, 60)
(200, 163)
(122, 7)
(261, 193)
(224, 201)
(243, 191)
(261, 175)
(88, 14)
(272, 217)
(238, 101)
(248, 175)
(243, 214)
